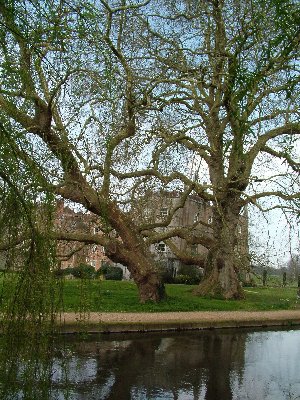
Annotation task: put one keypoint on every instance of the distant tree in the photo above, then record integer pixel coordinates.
(284, 278)
(264, 276)
(293, 266)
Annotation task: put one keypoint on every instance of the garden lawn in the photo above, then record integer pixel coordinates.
(119, 296)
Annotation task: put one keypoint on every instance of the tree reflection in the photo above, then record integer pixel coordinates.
(208, 365)
(194, 365)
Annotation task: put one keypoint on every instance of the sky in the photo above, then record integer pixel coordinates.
(274, 235)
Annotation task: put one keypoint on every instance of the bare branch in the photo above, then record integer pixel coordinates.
(283, 155)
(288, 129)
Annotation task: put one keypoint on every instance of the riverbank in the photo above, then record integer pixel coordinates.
(174, 321)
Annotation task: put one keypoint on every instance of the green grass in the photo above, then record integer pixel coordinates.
(116, 296)
(113, 296)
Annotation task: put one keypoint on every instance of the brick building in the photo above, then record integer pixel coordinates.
(195, 210)
(154, 209)
(71, 254)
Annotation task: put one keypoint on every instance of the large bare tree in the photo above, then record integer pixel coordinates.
(67, 93)
(226, 89)
(221, 79)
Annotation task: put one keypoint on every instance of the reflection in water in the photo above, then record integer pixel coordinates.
(211, 365)
(207, 365)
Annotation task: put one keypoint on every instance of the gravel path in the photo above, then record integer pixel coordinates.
(117, 322)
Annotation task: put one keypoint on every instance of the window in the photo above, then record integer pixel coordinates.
(164, 212)
(197, 217)
(147, 213)
(97, 229)
(161, 247)
(194, 249)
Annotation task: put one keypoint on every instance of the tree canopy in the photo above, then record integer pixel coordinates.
(106, 101)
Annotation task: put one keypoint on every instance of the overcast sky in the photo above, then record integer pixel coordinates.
(275, 234)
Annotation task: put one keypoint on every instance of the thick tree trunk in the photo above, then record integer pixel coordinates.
(221, 274)
(150, 288)
(129, 249)
(146, 275)
(148, 281)
(220, 278)
(143, 270)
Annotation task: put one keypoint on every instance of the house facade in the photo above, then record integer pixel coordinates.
(71, 254)
(196, 215)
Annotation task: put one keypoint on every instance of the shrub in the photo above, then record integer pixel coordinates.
(188, 274)
(110, 272)
(186, 280)
(166, 271)
(59, 273)
(248, 284)
(83, 271)
(167, 276)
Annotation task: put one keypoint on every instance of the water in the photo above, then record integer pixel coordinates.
(208, 365)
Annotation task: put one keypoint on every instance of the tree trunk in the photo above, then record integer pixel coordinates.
(143, 271)
(150, 288)
(146, 276)
(221, 277)
(130, 250)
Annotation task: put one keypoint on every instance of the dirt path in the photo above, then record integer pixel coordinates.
(121, 322)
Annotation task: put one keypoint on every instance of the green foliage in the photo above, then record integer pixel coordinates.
(187, 274)
(251, 284)
(61, 272)
(284, 279)
(186, 280)
(191, 273)
(29, 294)
(264, 278)
(29, 303)
(83, 271)
(111, 273)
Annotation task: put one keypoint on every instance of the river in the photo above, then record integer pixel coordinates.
(208, 365)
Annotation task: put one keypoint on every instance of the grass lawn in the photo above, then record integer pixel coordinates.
(117, 296)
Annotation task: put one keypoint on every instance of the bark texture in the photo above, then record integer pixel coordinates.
(145, 275)
(221, 277)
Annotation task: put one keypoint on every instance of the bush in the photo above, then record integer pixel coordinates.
(248, 284)
(110, 272)
(186, 280)
(83, 271)
(188, 274)
(61, 272)
(167, 276)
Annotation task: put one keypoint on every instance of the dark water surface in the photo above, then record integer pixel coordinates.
(208, 365)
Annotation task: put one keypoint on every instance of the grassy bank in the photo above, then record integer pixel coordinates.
(113, 296)
(117, 296)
